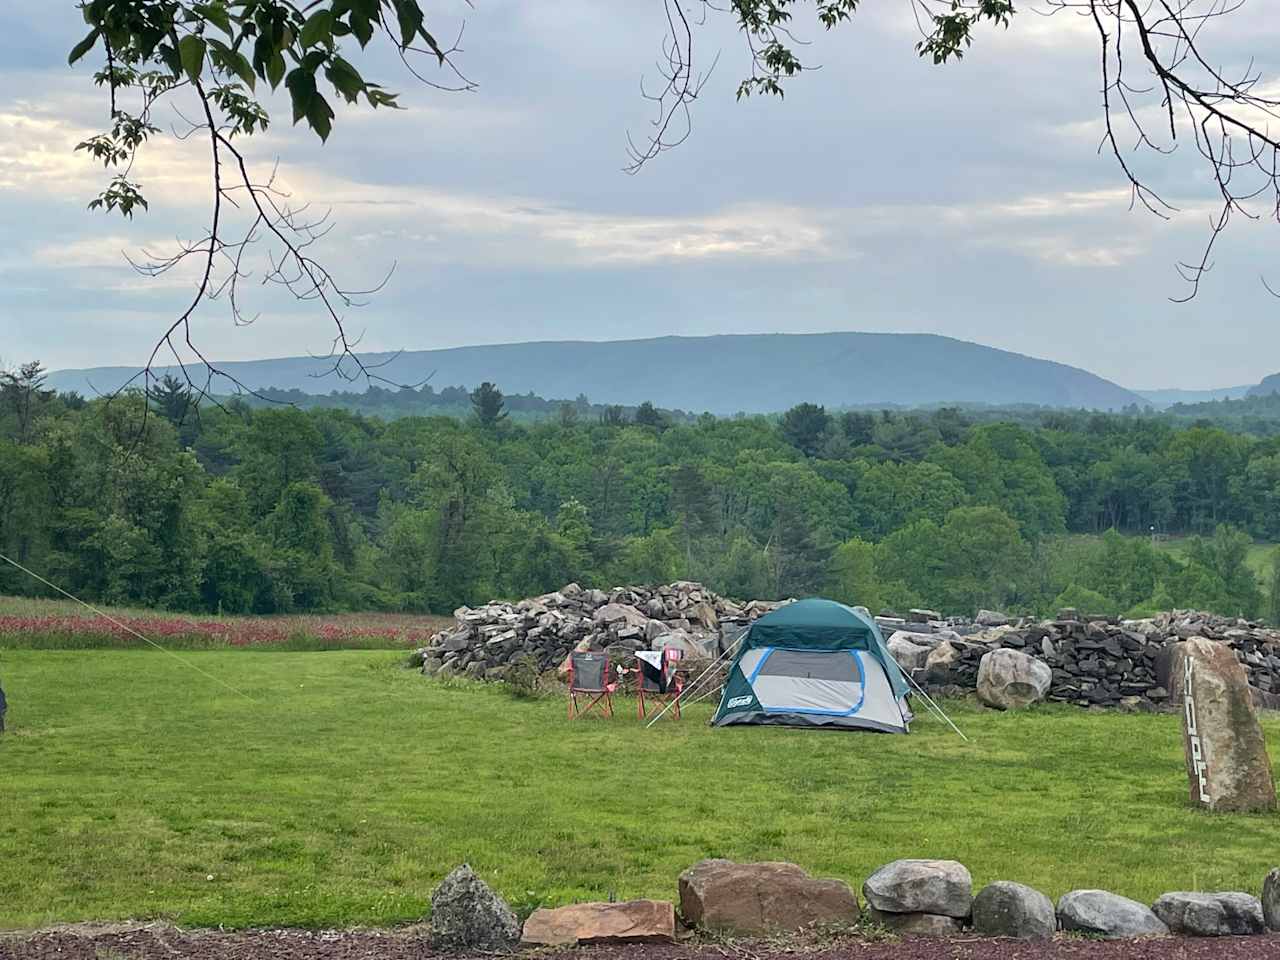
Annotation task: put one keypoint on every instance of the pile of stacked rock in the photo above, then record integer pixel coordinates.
(484, 641)
(1073, 659)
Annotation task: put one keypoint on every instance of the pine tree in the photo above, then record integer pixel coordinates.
(488, 404)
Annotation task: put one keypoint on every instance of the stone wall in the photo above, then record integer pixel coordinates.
(485, 641)
(1094, 662)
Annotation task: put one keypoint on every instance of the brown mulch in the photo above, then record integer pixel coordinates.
(162, 942)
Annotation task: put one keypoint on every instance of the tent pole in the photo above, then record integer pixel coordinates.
(936, 709)
(688, 690)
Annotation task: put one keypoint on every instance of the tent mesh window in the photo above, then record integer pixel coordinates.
(839, 667)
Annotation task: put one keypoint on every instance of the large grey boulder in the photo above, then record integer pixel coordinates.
(1227, 762)
(467, 915)
(1007, 909)
(1271, 899)
(990, 618)
(941, 887)
(1210, 914)
(753, 899)
(1108, 915)
(1010, 680)
(909, 650)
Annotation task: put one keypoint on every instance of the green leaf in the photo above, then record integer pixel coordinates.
(171, 59)
(239, 64)
(233, 61)
(345, 78)
(191, 50)
(409, 15)
(361, 27)
(216, 14)
(317, 29)
(83, 47)
(302, 88)
(320, 116)
(275, 70)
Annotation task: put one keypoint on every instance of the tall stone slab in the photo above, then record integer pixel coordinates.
(1227, 763)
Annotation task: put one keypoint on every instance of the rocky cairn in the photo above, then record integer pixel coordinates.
(485, 643)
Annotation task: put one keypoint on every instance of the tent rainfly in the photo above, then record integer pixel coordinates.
(815, 663)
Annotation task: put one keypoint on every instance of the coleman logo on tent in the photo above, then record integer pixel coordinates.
(1193, 735)
(739, 702)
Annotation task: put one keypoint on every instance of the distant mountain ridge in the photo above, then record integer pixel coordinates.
(726, 374)
(1269, 385)
(1168, 397)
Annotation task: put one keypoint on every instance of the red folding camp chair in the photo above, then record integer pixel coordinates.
(590, 676)
(661, 683)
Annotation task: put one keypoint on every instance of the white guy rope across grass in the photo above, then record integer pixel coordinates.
(128, 629)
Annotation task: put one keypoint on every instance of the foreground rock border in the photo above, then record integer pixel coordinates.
(910, 897)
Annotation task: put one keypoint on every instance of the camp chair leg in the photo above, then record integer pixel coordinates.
(604, 701)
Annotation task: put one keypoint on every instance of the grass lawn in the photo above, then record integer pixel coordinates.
(133, 787)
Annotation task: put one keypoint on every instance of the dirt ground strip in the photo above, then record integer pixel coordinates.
(162, 942)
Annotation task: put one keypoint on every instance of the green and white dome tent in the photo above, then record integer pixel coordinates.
(815, 663)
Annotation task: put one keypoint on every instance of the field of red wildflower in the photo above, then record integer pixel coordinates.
(61, 624)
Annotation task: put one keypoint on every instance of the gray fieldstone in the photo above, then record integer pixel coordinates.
(1210, 914)
(918, 924)
(1227, 763)
(1271, 899)
(942, 887)
(1108, 915)
(1006, 909)
(467, 915)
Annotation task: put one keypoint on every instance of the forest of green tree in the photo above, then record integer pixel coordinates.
(146, 499)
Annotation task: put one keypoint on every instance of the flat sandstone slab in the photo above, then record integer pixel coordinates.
(633, 921)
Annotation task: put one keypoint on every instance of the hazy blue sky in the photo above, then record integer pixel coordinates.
(883, 194)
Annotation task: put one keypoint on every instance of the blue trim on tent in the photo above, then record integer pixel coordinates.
(768, 652)
(852, 711)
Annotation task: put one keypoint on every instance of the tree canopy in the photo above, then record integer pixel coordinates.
(275, 509)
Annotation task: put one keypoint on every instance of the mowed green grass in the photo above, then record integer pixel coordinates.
(133, 787)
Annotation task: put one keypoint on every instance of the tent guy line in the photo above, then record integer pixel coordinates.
(688, 691)
(128, 629)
